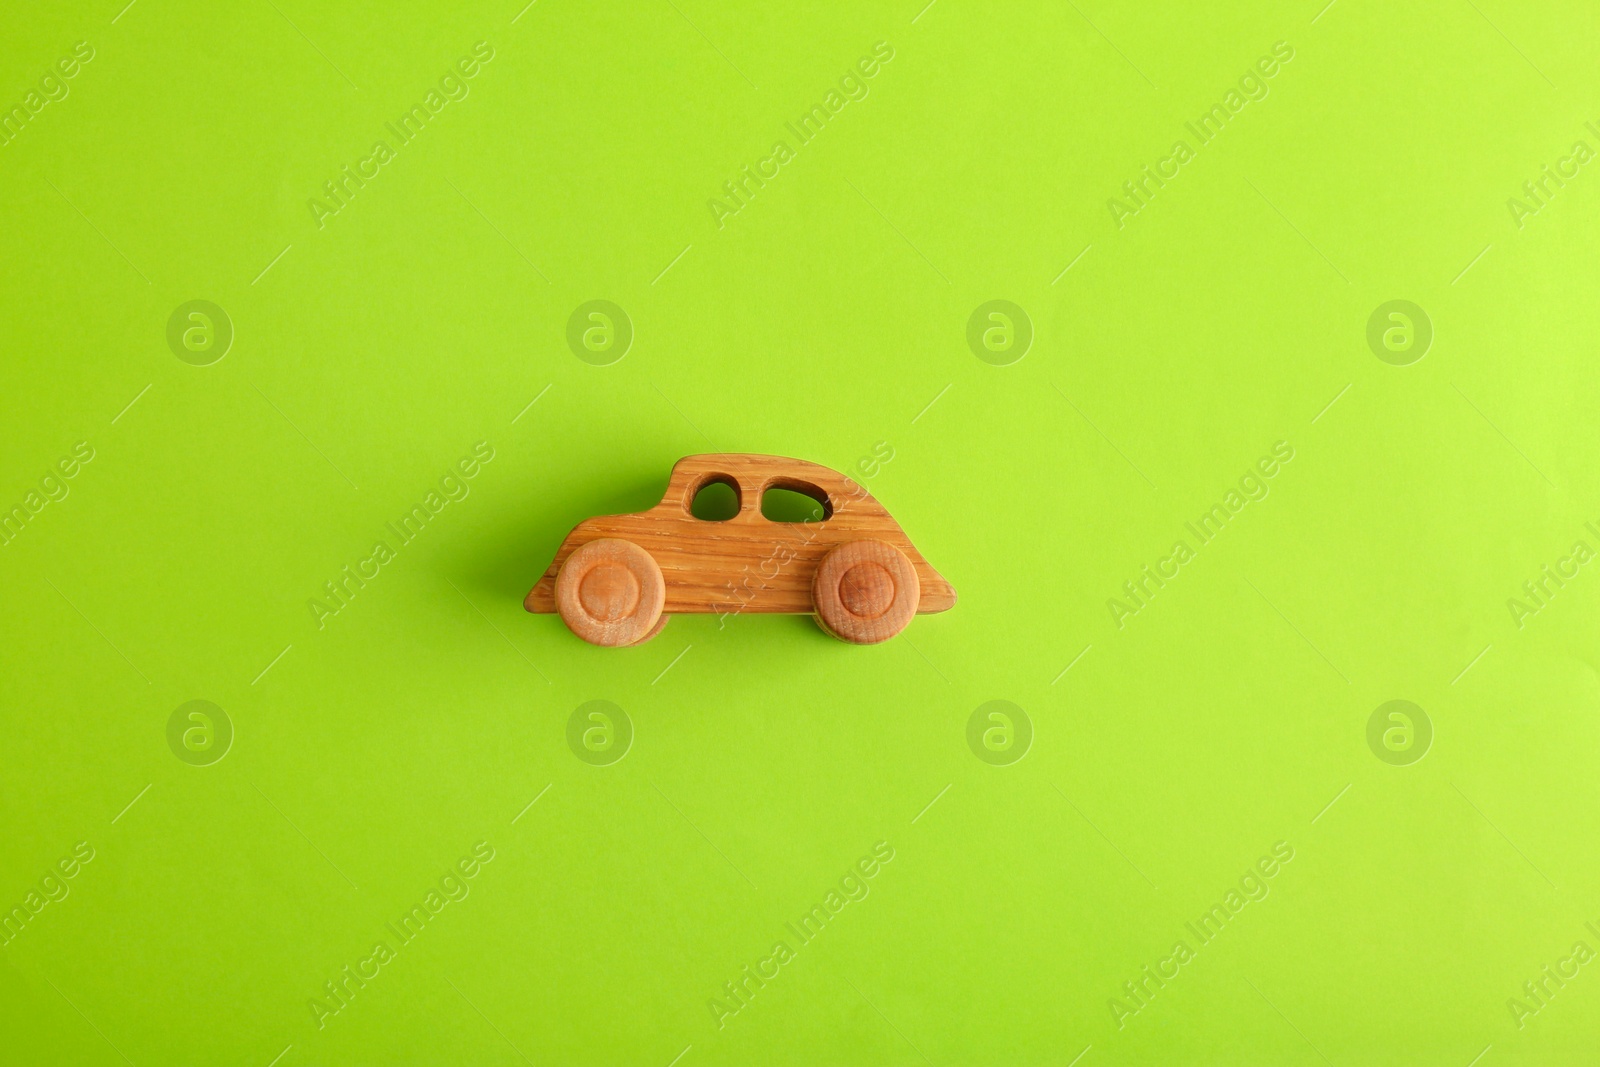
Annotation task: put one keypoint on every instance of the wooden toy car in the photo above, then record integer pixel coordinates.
(616, 579)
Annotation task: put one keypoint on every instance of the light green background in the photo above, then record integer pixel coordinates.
(825, 317)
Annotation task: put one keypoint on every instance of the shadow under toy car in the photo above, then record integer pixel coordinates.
(616, 579)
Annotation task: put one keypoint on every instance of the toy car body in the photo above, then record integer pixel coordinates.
(616, 578)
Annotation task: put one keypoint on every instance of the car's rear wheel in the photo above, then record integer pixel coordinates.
(865, 591)
(610, 592)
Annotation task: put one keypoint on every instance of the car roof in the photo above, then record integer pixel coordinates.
(755, 466)
(755, 473)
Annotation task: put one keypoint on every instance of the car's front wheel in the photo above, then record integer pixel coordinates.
(610, 592)
(865, 591)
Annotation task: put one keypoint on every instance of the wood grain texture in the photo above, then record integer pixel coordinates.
(747, 563)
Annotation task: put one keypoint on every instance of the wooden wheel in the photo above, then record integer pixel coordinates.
(610, 592)
(660, 625)
(865, 592)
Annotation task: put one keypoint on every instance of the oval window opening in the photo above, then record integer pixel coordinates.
(715, 502)
(795, 504)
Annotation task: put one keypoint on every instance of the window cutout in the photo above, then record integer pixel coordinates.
(795, 502)
(715, 501)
